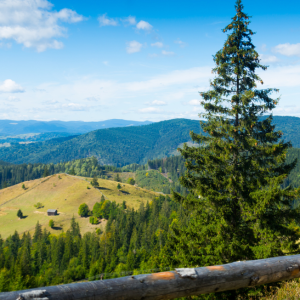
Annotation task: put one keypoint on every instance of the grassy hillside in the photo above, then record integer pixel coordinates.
(117, 146)
(65, 195)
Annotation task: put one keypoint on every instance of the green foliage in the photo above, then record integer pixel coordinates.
(51, 223)
(72, 171)
(83, 210)
(153, 181)
(23, 186)
(117, 178)
(116, 146)
(38, 205)
(124, 206)
(131, 240)
(119, 186)
(93, 220)
(46, 172)
(20, 214)
(131, 181)
(237, 209)
(95, 182)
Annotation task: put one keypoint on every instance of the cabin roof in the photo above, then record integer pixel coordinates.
(52, 210)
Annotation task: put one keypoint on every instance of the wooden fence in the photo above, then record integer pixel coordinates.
(173, 284)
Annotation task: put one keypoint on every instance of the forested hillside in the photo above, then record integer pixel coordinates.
(132, 241)
(117, 146)
(126, 145)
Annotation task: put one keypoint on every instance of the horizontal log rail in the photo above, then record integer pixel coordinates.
(173, 284)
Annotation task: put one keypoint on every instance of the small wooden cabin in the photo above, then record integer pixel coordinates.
(52, 212)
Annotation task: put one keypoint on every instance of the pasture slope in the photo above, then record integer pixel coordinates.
(65, 195)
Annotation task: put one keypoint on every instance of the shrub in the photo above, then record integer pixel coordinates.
(83, 210)
(51, 223)
(131, 181)
(93, 220)
(38, 205)
(23, 186)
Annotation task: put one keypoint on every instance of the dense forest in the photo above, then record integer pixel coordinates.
(116, 146)
(131, 243)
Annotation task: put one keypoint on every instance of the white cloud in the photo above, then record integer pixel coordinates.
(144, 25)
(105, 21)
(105, 63)
(263, 47)
(177, 77)
(282, 76)
(150, 110)
(268, 58)
(33, 23)
(9, 86)
(157, 103)
(133, 47)
(288, 49)
(194, 102)
(13, 99)
(167, 53)
(130, 20)
(157, 44)
(180, 43)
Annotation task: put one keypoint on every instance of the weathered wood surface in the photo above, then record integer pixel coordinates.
(170, 285)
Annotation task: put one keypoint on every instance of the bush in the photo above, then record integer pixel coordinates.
(23, 186)
(38, 205)
(51, 223)
(93, 220)
(131, 181)
(119, 186)
(95, 182)
(83, 210)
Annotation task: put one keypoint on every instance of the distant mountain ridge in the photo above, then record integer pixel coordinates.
(125, 145)
(12, 127)
(117, 146)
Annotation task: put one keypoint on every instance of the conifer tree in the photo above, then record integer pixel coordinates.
(20, 214)
(37, 232)
(237, 208)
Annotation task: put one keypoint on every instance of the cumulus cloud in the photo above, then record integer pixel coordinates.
(105, 21)
(129, 20)
(144, 25)
(133, 47)
(268, 58)
(9, 86)
(150, 110)
(157, 103)
(288, 49)
(157, 44)
(167, 53)
(33, 23)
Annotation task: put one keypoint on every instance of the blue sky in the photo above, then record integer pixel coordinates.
(138, 60)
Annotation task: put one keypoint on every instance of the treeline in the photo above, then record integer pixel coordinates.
(132, 241)
(88, 167)
(172, 167)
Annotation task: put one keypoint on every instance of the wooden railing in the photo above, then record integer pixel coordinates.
(171, 285)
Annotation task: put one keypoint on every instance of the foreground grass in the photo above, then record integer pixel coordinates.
(289, 290)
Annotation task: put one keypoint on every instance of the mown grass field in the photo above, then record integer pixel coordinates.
(65, 195)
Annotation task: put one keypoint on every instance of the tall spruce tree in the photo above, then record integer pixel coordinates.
(237, 207)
